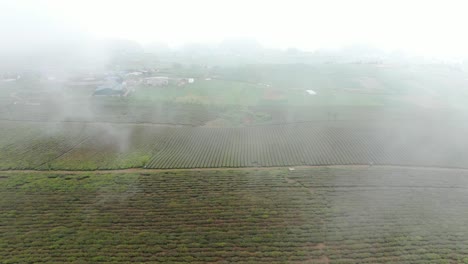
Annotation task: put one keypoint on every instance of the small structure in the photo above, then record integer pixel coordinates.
(133, 74)
(9, 80)
(311, 92)
(113, 86)
(184, 81)
(157, 81)
(133, 82)
(9, 77)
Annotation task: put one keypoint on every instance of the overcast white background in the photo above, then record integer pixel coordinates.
(435, 28)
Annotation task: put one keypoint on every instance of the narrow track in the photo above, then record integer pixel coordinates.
(143, 170)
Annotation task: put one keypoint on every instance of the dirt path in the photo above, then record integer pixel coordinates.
(96, 123)
(142, 170)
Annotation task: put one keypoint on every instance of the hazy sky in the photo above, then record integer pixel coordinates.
(424, 27)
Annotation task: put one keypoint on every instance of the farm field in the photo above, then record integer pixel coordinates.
(254, 95)
(321, 143)
(309, 215)
(110, 112)
(77, 146)
(213, 132)
(91, 146)
(357, 85)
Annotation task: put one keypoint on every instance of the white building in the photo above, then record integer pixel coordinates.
(157, 81)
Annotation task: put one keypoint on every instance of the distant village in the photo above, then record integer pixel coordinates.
(104, 84)
(123, 85)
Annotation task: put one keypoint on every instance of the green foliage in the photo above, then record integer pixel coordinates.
(247, 216)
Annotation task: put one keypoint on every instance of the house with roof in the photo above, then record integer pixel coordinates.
(157, 81)
(112, 86)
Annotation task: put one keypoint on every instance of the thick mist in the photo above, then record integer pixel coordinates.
(98, 64)
(233, 131)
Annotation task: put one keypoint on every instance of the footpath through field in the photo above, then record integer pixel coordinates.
(145, 171)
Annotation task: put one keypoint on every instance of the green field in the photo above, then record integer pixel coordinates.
(370, 169)
(223, 92)
(212, 92)
(94, 146)
(229, 153)
(320, 215)
(392, 85)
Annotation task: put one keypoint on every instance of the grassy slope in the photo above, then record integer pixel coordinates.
(76, 146)
(336, 215)
(335, 84)
(103, 146)
(213, 92)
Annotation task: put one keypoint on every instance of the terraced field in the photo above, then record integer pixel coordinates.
(320, 215)
(110, 148)
(75, 146)
(84, 146)
(319, 143)
(25, 146)
(114, 112)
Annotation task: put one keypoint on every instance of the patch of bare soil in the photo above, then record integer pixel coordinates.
(291, 181)
(273, 94)
(218, 122)
(321, 260)
(320, 246)
(288, 180)
(324, 259)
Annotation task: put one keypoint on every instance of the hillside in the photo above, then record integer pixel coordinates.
(320, 215)
(91, 146)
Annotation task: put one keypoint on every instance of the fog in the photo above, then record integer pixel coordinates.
(408, 58)
(349, 119)
(429, 28)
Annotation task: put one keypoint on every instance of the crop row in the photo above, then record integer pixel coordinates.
(83, 146)
(163, 113)
(76, 146)
(254, 216)
(311, 144)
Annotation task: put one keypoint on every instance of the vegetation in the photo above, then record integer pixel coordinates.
(238, 94)
(335, 84)
(233, 153)
(251, 116)
(323, 215)
(81, 146)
